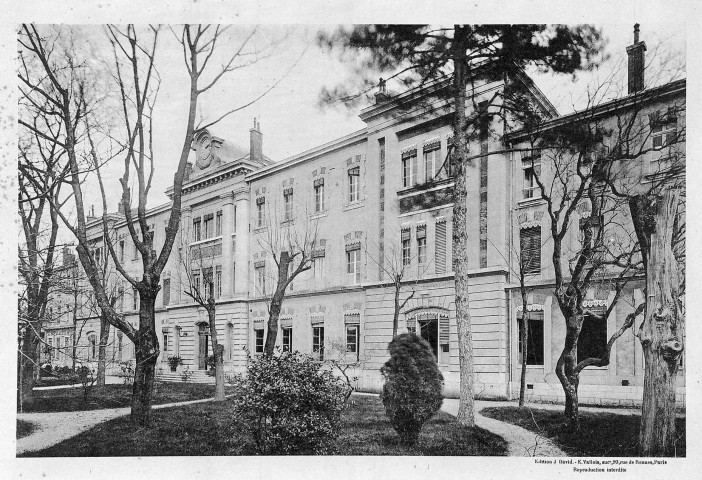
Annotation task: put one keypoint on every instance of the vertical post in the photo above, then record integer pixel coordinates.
(227, 254)
(186, 232)
(241, 255)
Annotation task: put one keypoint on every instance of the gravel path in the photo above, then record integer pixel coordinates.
(52, 428)
(520, 441)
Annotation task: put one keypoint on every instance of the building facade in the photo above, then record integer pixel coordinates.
(380, 201)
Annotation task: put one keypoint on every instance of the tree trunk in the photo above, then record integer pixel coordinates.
(217, 350)
(102, 349)
(26, 361)
(396, 312)
(146, 354)
(565, 371)
(525, 337)
(466, 414)
(276, 304)
(661, 333)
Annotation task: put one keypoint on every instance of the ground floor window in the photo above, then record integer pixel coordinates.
(258, 334)
(93, 345)
(318, 341)
(352, 340)
(434, 328)
(592, 341)
(287, 339)
(535, 340)
(165, 344)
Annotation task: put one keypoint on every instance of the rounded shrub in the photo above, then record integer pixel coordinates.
(413, 383)
(288, 405)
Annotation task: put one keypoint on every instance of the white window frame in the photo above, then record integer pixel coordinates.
(531, 168)
(432, 155)
(319, 198)
(353, 265)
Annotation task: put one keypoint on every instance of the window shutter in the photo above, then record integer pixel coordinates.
(530, 243)
(440, 247)
(443, 330)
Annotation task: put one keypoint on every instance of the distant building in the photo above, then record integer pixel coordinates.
(379, 197)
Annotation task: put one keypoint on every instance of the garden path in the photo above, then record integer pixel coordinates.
(54, 427)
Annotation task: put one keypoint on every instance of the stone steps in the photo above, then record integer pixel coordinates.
(198, 376)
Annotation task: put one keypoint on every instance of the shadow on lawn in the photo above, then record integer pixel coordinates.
(212, 429)
(601, 434)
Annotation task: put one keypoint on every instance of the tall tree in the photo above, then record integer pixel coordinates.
(291, 243)
(53, 72)
(459, 57)
(202, 284)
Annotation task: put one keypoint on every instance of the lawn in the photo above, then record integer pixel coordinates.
(211, 429)
(24, 429)
(114, 396)
(55, 381)
(600, 435)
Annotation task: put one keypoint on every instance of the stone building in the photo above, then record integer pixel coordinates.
(380, 202)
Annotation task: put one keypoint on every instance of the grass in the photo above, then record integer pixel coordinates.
(24, 428)
(55, 381)
(114, 396)
(211, 429)
(601, 434)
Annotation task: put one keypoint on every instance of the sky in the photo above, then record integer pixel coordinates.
(290, 116)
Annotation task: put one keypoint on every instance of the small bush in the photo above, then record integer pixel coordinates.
(46, 370)
(413, 382)
(186, 374)
(289, 406)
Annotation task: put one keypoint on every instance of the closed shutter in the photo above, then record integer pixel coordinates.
(530, 246)
(440, 248)
(443, 330)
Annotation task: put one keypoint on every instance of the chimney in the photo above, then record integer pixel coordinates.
(256, 144)
(381, 95)
(636, 63)
(67, 256)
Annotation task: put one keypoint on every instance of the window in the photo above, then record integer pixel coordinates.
(291, 270)
(258, 347)
(354, 175)
(197, 233)
(531, 166)
(119, 347)
(288, 201)
(260, 274)
(121, 250)
(535, 339)
(166, 291)
(218, 224)
(318, 342)
(218, 281)
(353, 265)
(319, 195)
(208, 224)
(208, 282)
(135, 299)
(409, 169)
(51, 348)
(431, 160)
(352, 339)
(230, 341)
(422, 245)
(592, 341)
(530, 248)
(93, 346)
(287, 339)
(260, 211)
(406, 248)
(233, 279)
(165, 343)
(663, 130)
(318, 267)
(135, 251)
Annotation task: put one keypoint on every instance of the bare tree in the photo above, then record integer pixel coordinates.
(291, 243)
(202, 284)
(65, 84)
